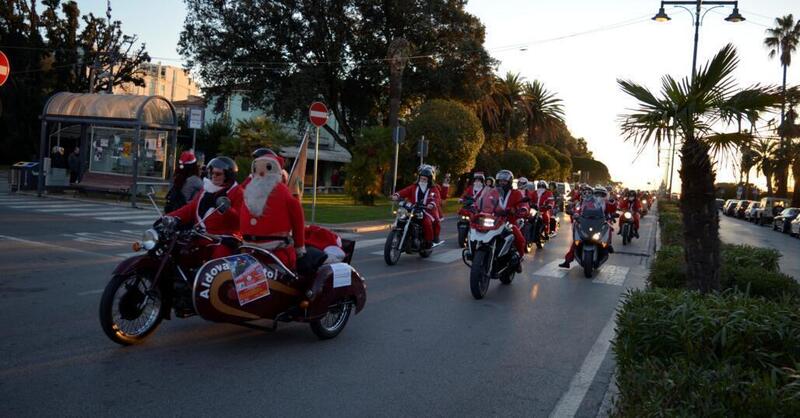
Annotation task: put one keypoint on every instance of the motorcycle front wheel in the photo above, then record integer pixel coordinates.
(588, 263)
(391, 250)
(462, 237)
(129, 313)
(330, 325)
(626, 236)
(479, 274)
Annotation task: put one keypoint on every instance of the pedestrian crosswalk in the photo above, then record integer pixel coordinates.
(79, 209)
(607, 274)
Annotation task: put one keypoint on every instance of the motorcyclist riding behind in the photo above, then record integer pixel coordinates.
(510, 201)
(544, 200)
(590, 199)
(631, 203)
(424, 191)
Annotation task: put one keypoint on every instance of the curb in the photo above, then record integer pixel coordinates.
(78, 199)
(361, 229)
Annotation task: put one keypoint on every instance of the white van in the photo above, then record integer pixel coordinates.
(770, 207)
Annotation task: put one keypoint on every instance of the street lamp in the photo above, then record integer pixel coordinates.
(662, 16)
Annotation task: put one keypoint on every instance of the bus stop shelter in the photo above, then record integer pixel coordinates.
(125, 141)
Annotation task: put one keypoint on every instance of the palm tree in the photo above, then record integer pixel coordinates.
(692, 107)
(512, 103)
(544, 111)
(765, 160)
(782, 40)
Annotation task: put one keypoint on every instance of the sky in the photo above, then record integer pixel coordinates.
(548, 40)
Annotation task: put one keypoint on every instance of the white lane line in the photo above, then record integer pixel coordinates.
(109, 213)
(69, 210)
(46, 206)
(91, 292)
(131, 254)
(569, 403)
(446, 257)
(148, 223)
(369, 243)
(612, 275)
(55, 247)
(551, 269)
(126, 218)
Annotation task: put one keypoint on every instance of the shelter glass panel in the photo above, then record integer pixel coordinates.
(112, 152)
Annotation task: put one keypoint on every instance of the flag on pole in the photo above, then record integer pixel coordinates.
(299, 169)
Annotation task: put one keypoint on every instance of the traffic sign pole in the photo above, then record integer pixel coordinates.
(318, 115)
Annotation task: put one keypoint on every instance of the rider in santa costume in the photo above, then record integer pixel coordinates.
(271, 218)
(544, 200)
(427, 193)
(222, 182)
(510, 201)
(475, 190)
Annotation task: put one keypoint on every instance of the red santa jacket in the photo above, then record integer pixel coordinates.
(544, 199)
(217, 223)
(282, 215)
(635, 206)
(470, 193)
(511, 202)
(431, 195)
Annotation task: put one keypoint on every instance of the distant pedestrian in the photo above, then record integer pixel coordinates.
(335, 178)
(185, 184)
(57, 158)
(74, 163)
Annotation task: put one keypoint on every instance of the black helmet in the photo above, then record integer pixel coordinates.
(227, 165)
(426, 171)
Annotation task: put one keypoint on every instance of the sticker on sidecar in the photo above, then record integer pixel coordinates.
(249, 277)
(341, 274)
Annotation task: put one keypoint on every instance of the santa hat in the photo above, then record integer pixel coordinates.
(187, 157)
(267, 154)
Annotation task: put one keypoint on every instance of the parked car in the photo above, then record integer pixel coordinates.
(730, 206)
(782, 221)
(741, 207)
(771, 207)
(749, 214)
(794, 227)
(720, 204)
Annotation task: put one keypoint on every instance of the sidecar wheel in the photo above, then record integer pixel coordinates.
(129, 314)
(330, 325)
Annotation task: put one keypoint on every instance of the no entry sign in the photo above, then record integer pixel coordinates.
(318, 114)
(5, 68)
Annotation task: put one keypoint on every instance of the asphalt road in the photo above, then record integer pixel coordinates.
(738, 231)
(421, 347)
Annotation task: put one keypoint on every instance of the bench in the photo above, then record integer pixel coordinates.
(112, 184)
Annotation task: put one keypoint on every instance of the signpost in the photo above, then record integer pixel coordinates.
(318, 115)
(5, 68)
(195, 123)
(422, 150)
(398, 136)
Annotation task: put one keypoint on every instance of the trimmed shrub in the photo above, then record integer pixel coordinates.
(757, 281)
(736, 256)
(668, 269)
(682, 353)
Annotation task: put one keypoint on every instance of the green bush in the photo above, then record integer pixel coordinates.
(757, 281)
(668, 269)
(682, 353)
(737, 256)
(372, 160)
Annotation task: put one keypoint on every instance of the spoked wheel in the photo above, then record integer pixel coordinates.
(391, 250)
(479, 274)
(128, 311)
(330, 325)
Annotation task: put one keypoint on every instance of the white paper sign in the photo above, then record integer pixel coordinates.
(341, 274)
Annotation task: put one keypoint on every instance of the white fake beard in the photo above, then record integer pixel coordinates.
(477, 187)
(257, 192)
(423, 187)
(210, 187)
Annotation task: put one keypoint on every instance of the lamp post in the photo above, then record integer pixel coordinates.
(662, 16)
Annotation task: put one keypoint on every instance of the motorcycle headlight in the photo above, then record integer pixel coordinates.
(644, 202)
(533, 212)
(149, 239)
(464, 217)
(628, 215)
(402, 212)
(596, 236)
(487, 222)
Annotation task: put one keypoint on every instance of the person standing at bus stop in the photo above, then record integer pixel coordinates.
(74, 165)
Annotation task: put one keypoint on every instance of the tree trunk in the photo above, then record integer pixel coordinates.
(782, 169)
(700, 217)
(796, 174)
(769, 183)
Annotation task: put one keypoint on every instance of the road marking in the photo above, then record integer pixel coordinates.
(552, 269)
(369, 243)
(135, 213)
(612, 275)
(447, 256)
(57, 247)
(569, 403)
(148, 223)
(48, 206)
(69, 210)
(152, 217)
(91, 292)
(131, 254)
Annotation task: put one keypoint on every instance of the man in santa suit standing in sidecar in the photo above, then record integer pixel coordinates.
(270, 217)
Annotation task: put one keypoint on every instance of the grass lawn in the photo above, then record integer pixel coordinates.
(339, 208)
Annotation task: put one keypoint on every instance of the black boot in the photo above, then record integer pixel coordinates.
(636, 233)
(564, 265)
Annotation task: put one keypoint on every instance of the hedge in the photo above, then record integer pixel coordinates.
(682, 353)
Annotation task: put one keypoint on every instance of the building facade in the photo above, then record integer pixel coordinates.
(168, 81)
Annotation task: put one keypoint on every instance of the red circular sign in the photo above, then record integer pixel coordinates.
(318, 114)
(5, 68)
